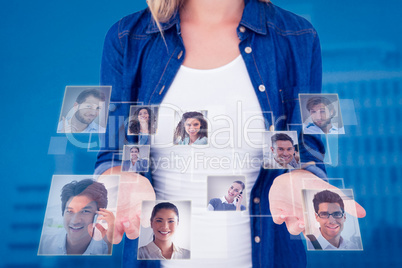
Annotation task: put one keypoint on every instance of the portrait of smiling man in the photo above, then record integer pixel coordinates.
(323, 115)
(134, 160)
(83, 206)
(330, 214)
(82, 116)
(282, 153)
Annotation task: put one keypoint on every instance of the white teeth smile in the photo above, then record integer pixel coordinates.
(76, 228)
(332, 227)
(164, 233)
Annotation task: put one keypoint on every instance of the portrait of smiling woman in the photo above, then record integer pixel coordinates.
(164, 223)
(192, 129)
(231, 201)
(142, 121)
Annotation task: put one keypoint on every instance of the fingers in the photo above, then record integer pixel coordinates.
(132, 227)
(351, 207)
(133, 189)
(94, 234)
(125, 225)
(91, 230)
(118, 233)
(354, 209)
(294, 225)
(106, 215)
(101, 229)
(361, 212)
(279, 217)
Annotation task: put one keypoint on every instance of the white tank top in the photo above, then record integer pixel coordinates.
(218, 239)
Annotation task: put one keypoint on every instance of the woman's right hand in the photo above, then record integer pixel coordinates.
(133, 189)
(239, 199)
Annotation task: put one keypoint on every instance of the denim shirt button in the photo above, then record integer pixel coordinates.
(242, 29)
(261, 88)
(257, 239)
(248, 50)
(272, 128)
(256, 200)
(180, 54)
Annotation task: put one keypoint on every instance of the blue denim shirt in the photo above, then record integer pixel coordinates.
(282, 54)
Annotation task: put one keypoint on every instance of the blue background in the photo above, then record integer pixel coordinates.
(46, 45)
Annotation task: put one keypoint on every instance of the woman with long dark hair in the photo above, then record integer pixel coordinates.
(142, 122)
(192, 129)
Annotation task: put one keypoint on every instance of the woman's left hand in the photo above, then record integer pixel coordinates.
(285, 199)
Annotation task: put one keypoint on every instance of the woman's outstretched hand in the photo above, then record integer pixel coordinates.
(133, 189)
(285, 199)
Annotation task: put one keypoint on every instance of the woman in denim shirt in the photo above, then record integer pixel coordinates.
(282, 54)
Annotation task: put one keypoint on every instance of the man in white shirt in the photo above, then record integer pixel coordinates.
(330, 214)
(321, 113)
(282, 153)
(85, 110)
(83, 204)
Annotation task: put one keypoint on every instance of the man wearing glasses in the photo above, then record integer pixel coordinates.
(330, 214)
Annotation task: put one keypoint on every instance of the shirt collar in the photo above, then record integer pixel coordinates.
(174, 20)
(92, 127)
(154, 249)
(253, 18)
(92, 249)
(333, 129)
(311, 124)
(326, 245)
(224, 201)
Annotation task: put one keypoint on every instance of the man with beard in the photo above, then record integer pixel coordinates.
(321, 112)
(282, 153)
(86, 109)
(330, 214)
(83, 205)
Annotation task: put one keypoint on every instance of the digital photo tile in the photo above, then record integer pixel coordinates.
(191, 128)
(143, 120)
(78, 215)
(330, 221)
(135, 158)
(84, 109)
(281, 150)
(227, 193)
(165, 230)
(321, 114)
